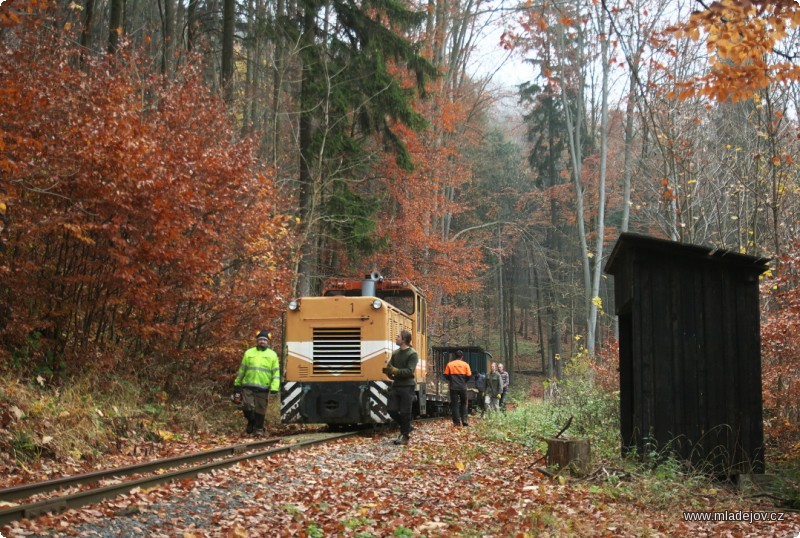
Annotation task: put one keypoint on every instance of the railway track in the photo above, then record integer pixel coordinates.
(157, 472)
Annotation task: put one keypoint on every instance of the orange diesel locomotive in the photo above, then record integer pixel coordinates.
(337, 345)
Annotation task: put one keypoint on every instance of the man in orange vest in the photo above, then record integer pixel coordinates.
(458, 373)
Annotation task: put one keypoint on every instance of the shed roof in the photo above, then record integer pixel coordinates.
(628, 243)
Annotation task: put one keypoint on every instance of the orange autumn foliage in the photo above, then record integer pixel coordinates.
(140, 234)
(748, 41)
(420, 200)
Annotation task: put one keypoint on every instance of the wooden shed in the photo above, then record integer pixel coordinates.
(690, 352)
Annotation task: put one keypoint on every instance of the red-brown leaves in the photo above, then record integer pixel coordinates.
(369, 487)
(781, 355)
(421, 201)
(137, 220)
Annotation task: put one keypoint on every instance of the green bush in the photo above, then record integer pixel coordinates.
(594, 411)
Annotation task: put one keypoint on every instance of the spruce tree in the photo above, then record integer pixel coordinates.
(349, 99)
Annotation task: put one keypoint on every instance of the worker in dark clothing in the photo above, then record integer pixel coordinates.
(506, 382)
(400, 369)
(458, 373)
(480, 386)
(494, 388)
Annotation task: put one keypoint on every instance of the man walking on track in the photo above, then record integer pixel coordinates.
(400, 369)
(458, 373)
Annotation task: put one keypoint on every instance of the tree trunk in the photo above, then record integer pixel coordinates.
(575, 112)
(86, 32)
(308, 260)
(277, 80)
(510, 334)
(249, 77)
(256, 112)
(114, 25)
(594, 307)
(572, 454)
(501, 300)
(228, 30)
(539, 327)
(168, 37)
(191, 25)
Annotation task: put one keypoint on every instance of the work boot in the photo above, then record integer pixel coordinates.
(258, 425)
(402, 440)
(248, 414)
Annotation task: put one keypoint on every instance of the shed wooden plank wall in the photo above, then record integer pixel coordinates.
(690, 371)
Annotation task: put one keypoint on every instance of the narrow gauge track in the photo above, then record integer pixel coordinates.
(225, 457)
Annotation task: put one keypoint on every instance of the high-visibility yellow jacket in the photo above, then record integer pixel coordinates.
(260, 370)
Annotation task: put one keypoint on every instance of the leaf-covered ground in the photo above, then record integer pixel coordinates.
(448, 482)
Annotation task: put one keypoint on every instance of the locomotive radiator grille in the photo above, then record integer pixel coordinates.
(337, 351)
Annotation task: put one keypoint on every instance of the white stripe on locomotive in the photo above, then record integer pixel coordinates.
(304, 351)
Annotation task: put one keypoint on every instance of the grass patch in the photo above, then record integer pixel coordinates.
(93, 416)
(787, 481)
(594, 412)
(657, 479)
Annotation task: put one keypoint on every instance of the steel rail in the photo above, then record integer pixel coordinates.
(58, 504)
(27, 490)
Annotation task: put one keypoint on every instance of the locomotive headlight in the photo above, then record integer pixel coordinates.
(377, 304)
(294, 305)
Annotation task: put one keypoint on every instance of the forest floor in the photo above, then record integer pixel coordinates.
(448, 482)
(487, 480)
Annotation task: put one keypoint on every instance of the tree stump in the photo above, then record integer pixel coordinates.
(572, 454)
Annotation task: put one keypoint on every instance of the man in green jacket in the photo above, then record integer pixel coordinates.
(259, 374)
(400, 369)
(494, 388)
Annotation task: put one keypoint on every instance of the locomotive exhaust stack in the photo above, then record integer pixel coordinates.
(369, 282)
